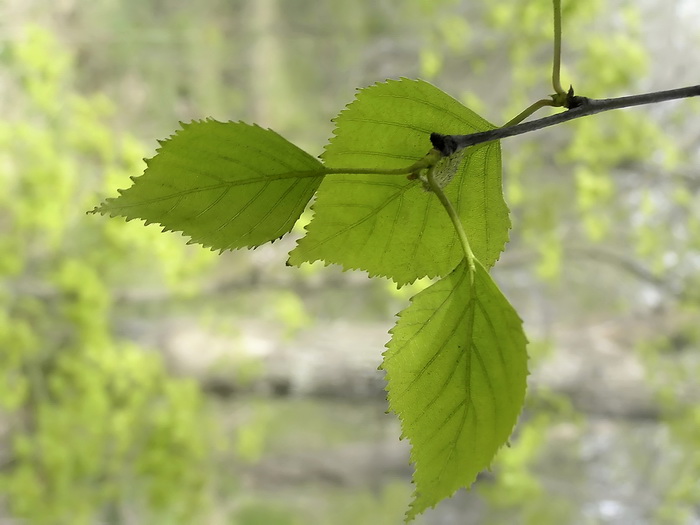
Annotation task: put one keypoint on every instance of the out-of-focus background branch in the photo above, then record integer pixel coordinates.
(143, 380)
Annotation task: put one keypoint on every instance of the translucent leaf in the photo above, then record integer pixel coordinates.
(456, 370)
(225, 185)
(389, 225)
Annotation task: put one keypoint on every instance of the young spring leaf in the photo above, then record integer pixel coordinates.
(389, 225)
(226, 185)
(456, 369)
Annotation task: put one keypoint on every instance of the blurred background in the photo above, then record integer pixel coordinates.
(145, 381)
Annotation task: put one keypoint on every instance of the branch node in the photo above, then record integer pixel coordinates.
(574, 101)
(445, 144)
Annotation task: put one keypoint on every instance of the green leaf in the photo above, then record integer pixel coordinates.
(389, 225)
(456, 370)
(225, 185)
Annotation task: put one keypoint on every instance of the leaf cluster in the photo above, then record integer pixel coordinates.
(456, 363)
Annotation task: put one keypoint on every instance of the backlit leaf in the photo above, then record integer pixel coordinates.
(456, 370)
(224, 185)
(389, 225)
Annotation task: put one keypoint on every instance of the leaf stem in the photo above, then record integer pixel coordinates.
(529, 111)
(412, 171)
(556, 62)
(559, 98)
(366, 171)
(457, 223)
(428, 161)
(578, 107)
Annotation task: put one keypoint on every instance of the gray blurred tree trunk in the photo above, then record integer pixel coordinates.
(267, 73)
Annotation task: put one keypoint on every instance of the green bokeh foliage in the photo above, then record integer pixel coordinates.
(95, 425)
